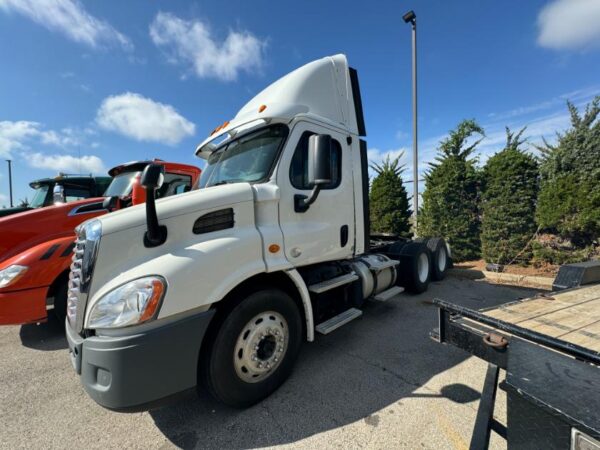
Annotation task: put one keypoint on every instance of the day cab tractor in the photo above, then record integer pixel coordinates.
(219, 287)
(61, 189)
(36, 246)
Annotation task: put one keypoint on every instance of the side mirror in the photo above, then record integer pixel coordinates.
(319, 159)
(152, 178)
(319, 170)
(58, 194)
(111, 203)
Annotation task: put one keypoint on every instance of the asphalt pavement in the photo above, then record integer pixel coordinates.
(378, 382)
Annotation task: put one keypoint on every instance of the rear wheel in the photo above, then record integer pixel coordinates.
(440, 259)
(254, 349)
(414, 269)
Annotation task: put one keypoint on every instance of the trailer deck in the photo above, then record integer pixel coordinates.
(572, 316)
(549, 346)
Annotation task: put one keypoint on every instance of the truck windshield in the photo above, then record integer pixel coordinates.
(120, 186)
(39, 197)
(248, 158)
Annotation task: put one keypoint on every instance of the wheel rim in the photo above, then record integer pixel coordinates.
(261, 346)
(423, 267)
(441, 259)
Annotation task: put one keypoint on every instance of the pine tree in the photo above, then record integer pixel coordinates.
(509, 185)
(390, 211)
(450, 200)
(569, 199)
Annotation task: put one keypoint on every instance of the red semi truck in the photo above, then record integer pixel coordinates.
(36, 246)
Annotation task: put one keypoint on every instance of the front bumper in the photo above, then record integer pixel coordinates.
(141, 370)
(26, 306)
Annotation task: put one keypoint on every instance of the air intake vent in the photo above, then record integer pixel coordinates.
(214, 221)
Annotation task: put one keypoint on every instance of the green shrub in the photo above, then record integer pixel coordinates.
(390, 212)
(450, 199)
(569, 199)
(509, 185)
(548, 255)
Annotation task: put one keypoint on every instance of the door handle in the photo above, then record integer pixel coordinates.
(343, 235)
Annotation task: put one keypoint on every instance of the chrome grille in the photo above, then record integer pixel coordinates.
(82, 268)
(74, 289)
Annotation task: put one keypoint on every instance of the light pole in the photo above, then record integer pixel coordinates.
(411, 17)
(10, 180)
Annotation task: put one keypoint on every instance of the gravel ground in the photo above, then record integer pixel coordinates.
(379, 382)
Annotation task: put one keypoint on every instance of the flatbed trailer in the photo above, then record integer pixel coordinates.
(549, 346)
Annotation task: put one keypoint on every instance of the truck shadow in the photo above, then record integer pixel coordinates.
(345, 377)
(47, 336)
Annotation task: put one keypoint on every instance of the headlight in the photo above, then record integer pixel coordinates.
(130, 304)
(11, 274)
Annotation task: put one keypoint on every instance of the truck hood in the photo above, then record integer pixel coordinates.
(182, 204)
(26, 229)
(14, 210)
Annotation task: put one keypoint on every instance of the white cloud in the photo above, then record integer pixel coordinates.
(67, 163)
(569, 24)
(143, 119)
(70, 18)
(13, 134)
(189, 42)
(19, 134)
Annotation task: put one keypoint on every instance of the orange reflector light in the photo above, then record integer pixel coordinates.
(158, 289)
(220, 127)
(261, 108)
(274, 248)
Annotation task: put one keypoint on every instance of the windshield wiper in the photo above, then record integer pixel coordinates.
(219, 183)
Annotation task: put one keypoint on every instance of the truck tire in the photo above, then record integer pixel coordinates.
(440, 258)
(254, 349)
(60, 301)
(415, 267)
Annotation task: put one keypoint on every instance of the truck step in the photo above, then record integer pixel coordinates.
(341, 319)
(326, 285)
(379, 266)
(386, 295)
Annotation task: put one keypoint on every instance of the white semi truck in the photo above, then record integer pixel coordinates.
(218, 287)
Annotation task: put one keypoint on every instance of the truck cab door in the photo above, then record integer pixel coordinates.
(326, 230)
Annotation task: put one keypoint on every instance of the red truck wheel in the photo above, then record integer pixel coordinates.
(60, 300)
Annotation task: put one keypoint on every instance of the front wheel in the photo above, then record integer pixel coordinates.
(60, 301)
(254, 349)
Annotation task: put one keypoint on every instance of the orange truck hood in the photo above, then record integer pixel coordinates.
(21, 231)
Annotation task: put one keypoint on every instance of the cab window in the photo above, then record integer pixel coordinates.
(173, 184)
(73, 194)
(299, 165)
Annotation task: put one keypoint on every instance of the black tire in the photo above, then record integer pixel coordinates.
(415, 267)
(440, 259)
(60, 300)
(218, 368)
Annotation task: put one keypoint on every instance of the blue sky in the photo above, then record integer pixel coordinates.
(86, 85)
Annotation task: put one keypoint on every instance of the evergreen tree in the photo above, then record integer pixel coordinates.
(450, 199)
(509, 185)
(569, 200)
(390, 212)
